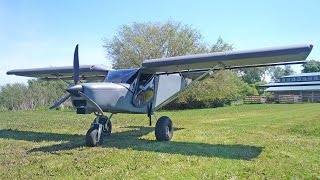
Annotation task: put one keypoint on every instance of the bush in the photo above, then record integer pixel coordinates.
(220, 90)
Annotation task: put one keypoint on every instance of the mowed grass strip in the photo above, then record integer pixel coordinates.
(249, 141)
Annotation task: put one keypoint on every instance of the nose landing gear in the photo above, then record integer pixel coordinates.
(100, 127)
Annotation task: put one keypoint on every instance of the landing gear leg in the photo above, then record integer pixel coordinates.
(106, 125)
(164, 129)
(100, 126)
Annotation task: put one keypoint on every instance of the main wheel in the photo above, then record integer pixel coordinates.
(164, 129)
(92, 136)
(106, 127)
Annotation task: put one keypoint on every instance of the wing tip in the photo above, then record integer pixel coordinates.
(311, 46)
(10, 72)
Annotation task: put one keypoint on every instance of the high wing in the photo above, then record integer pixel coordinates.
(229, 60)
(87, 72)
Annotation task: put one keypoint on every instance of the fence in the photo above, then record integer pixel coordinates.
(288, 98)
(255, 99)
(283, 98)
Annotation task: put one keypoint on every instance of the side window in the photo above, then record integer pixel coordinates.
(144, 90)
(315, 78)
(287, 79)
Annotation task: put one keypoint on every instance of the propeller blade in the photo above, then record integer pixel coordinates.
(62, 100)
(76, 72)
(91, 102)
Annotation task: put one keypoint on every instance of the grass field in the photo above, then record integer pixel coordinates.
(248, 141)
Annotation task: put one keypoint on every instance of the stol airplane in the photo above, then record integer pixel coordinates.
(146, 89)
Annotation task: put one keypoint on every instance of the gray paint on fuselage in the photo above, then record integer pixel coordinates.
(112, 97)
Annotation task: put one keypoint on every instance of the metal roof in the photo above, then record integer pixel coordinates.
(303, 74)
(293, 88)
(307, 83)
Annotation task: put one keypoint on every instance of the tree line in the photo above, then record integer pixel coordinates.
(36, 94)
(140, 41)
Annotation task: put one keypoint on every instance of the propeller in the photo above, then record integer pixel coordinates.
(62, 100)
(76, 74)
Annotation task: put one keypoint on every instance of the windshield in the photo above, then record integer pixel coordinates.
(121, 76)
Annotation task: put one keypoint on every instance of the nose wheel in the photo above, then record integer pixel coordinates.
(164, 129)
(93, 136)
(100, 128)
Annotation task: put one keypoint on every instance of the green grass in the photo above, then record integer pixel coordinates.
(249, 141)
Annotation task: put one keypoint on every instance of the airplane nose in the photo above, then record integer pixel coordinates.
(74, 90)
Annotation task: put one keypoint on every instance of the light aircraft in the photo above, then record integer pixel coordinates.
(156, 83)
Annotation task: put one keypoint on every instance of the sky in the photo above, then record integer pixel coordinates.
(37, 33)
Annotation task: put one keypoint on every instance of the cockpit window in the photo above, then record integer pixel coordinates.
(145, 90)
(122, 76)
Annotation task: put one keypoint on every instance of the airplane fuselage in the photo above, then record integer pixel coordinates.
(110, 97)
(127, 91)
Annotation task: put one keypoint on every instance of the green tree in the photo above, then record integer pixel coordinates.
(311, 66)
(142, 41)
(277, 72)
(221, 46)
(42, 94)
(253, 75)
(37, 94)
(13, 97)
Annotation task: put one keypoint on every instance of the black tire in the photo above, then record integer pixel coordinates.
(164, 129)
(92, 137)
(106, 127)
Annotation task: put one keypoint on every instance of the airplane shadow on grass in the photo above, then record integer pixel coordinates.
(131, 139)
